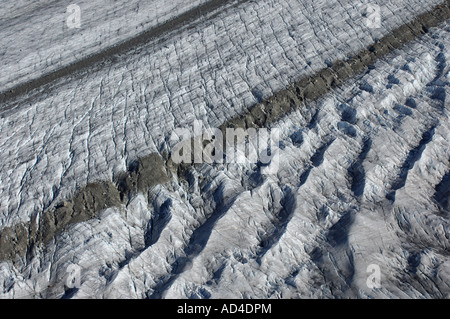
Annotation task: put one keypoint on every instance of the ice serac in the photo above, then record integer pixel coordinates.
(362, 178)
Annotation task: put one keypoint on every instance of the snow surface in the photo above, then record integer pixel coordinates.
(36, 40)
(356, 182)
(90, 125)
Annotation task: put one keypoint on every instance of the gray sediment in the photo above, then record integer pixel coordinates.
(154, 169)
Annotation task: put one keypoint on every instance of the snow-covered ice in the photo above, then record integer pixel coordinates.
(88, 126)
(35, 38)
(359, 172)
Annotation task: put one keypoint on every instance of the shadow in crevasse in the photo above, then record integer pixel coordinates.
(356, 170)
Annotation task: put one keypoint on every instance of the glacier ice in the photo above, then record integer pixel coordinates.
(357, 183)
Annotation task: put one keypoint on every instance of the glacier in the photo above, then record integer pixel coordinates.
(362, 178)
